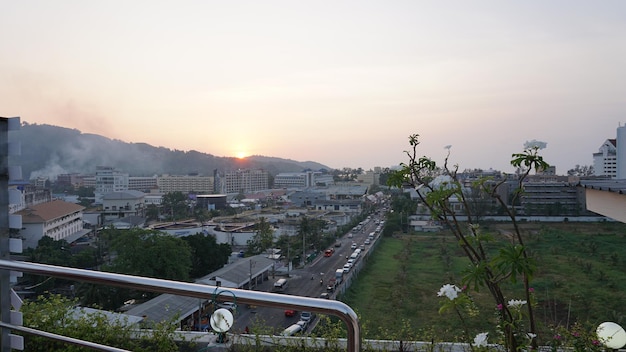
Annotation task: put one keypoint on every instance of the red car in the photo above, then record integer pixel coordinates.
(290, 312)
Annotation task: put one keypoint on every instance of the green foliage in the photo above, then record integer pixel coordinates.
(175, 206)
(57, 314)
(206, 255)
(57, 252)
(150, 253)
(437, 186)
(561, 293)
(263, 239)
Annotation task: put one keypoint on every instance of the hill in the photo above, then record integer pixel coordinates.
(51, 150)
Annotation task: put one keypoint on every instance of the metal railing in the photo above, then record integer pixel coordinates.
(273, 300)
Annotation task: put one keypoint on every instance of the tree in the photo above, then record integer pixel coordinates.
(582, 171)
(57, 252)
(150, 253)
(436, 186)
(143, 253)
(263, 239)
(175, 205)
(206, 255)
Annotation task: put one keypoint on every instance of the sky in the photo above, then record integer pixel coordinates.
(342, 83)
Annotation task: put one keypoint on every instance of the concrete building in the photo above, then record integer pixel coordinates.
(122, 204)
(606, 197)
(369, 178)
(245, 181)
(56, 219)
(143, 184)
(185, 184)
(109, 180)
(605, 160)
(302, 179)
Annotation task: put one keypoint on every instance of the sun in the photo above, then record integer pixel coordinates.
(241, 155)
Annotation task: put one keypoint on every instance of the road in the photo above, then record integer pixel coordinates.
(301, 284)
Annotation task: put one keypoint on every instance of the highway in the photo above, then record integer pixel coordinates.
(272, 320)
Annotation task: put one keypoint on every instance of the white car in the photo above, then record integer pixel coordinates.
(353, 246)
(346, 268)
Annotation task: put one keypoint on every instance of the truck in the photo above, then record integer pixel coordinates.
(338, 276)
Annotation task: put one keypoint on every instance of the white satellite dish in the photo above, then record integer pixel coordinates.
(611, 335)
(221, 320)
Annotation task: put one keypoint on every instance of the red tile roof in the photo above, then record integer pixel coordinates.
(48, 211)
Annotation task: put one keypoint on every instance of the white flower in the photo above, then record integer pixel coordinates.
(450, 291)
(530, 335)
(515, 303)
(535, 144)
(481, 339)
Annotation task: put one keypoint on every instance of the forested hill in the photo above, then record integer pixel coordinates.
(51, 150)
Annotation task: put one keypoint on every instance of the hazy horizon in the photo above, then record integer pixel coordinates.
(343, 84)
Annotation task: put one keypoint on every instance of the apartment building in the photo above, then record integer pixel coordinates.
(185, 184)
(123, 204)
(302, 179)
(605, 160)
(245, 181)
(57, 219)
(143, 184)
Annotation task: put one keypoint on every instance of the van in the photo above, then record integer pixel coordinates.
(292, 330)
(280, 285)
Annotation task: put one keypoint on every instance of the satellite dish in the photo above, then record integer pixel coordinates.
(222, 320)
(611, 335)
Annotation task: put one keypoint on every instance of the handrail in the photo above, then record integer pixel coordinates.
(273, 300)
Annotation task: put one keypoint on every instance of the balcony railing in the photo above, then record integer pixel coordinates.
(323, 306)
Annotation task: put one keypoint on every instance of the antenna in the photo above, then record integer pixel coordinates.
(222, 320)
(611, 335)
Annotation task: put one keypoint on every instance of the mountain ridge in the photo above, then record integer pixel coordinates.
(49, 151)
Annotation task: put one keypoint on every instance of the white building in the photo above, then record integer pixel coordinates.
(108, 180)
(302, 179)
(56, 219)
(605, 160)
(123, 204)
(246, 181)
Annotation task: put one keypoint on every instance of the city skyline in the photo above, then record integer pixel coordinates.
(343, 84)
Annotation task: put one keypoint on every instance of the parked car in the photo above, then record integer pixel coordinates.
(325, 295)
(353, 246)
(290, 312)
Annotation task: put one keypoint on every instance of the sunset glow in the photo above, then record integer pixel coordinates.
(340, 83)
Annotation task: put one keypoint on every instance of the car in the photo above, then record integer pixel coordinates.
(346, 268)
(350, 235)
(306, 316)
(367, 241)
(290, 312)
(303, 324)
(353, 246)
(325, 295)
(351, 261)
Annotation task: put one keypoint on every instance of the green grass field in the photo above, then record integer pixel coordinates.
(580, 277)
